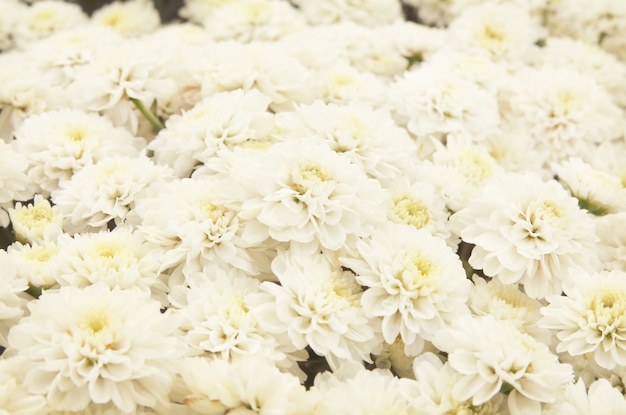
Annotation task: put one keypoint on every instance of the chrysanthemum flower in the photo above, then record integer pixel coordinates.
(107, 191)
(12, 296)
(37, 221)
(528, 231)
(129, 18)
(58, 144)
(46, 17)
(509, 303)
(218, 320)
(223, 120)
(246, 386)
(367, 13)
(37, 263)
(15, 399)
(490, 354)
(501, 31)
(591, 317)
(600, 398)
(196, 223)
(14, 183)
(432, 101)
(436, 382)
(119, 258)
(369, 138)
(414, 281)
(253, 20)
(353, 389)
(564, 111)
(317, 304)
(302, 191)
(597, 191)
(96, 345)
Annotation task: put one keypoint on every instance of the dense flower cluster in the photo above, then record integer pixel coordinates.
(312, 207)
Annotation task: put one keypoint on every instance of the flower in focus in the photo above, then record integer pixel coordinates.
(490, 354)
(600, 398)
(591, 317)
(107, 191)
(58, 144)
(317, 304)
(414, 281)
(527, 231)
(218, 321)
(14, 183)
(245, 386)
(37, 221)
(302, 191)
(97, 345)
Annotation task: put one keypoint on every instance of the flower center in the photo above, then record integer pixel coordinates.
(411, 211)
(609, 306)
(41, 254)
(76, 134)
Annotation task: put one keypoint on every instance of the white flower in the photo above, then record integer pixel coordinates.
(612, 246)
(198, 10)
(597, 191)
(98, 345)
(106, 191)
(129, 18)
(365, 12)
(302, 191)
(342, 83)
(223, 120)
(418, 204)
(14, 183)
(490, 354)
(317, 304)
(25, 91)
(14, 397)
(218, 320)
(44, 18)
(12, 296)
(246, 386)
(600, 398)
(528, 231)
(432, 101)
(369, 138)
(355, 390)
(11, 12)
(500, 31)
(436, 382)
(119, 73)
(591, 317)
(36, 221)
(509, 303)
(564, 111)
(253, 20)
(58, 144)
(263, 66)
(414, 281)
(607, 70)
(460, 169)
(119, 258)
(196, 223)
(602, 22)
(37, 263)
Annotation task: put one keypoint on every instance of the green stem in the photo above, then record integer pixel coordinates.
(151, 117)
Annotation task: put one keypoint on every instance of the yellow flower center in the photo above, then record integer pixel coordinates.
(609, 306)
(411, 211)
(114, 19)
(76, 134)
(41, 254)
